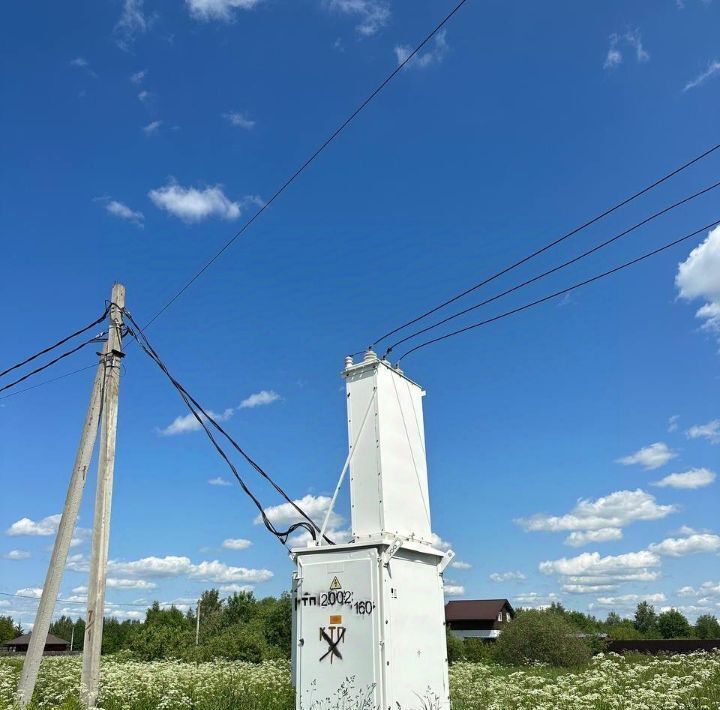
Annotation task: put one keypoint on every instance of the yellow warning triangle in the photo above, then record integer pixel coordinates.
(335, 584)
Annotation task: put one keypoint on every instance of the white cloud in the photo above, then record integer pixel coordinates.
(120, 583)
(425, 59)
(81, 63)
(586, 537)
(239, 119)
(82, 589)
(686, 592)
(45, 527)
(632, 39)
(188, 422)
(221, 573)
(17, 555)
(315, 507)
(712, 70)
(193, 205)
(152, 128)
(236, 544)
(627, 600)
(649, 457)
(601, 519)
(673, 423)
(694, 478)
(118, 209)
(440, 544)
(259, 399)
(453, 590)
(174, 566)
(132, 22)
(613, 57)
(35, 592)
(219, 481)
(507, 577)
(709, 431)
(588, 588)
(144, 95)
(236, 588)
(372, 15)
(218, 9)
(698, 277)
(536, 600)
(681, 546)
(459, 564)
(589, 572)
(139, 76)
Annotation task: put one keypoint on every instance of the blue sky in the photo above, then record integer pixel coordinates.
(137, 137)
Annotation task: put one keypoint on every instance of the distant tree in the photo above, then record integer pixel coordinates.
(645, 618)
(63, 628)
(613, 618)
(79, 640)
(542, 636)
(278, 624)
(707, 627)
(672, 624)
(239, 607)
(9, 629)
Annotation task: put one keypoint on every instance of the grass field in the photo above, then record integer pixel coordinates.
(608, 683)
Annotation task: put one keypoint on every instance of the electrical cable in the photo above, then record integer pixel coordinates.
(311, 159)
(94, 339)
(56, 345)
(202, 417)
(47, 382)
(559, 293)
(550, 245)
(565, 264)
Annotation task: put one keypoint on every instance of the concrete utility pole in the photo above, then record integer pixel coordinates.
(51, 588)
(90, 677)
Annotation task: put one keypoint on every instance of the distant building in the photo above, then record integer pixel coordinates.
(478, 618)
(53, 644)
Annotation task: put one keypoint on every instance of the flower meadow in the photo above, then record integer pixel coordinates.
(609, 682)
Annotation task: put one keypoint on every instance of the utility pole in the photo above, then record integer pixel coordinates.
(90, 677)
(197, 625)
(51, 588)
(72, 638)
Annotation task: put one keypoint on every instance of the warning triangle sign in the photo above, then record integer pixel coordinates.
(335, 584)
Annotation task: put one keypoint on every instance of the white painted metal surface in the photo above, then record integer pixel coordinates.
(373, 630)
(388, 472)
(368, 621)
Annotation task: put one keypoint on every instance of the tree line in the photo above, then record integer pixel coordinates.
(239, 627)
(242, 627)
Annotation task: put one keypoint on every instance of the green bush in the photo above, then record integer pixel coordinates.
(479, 651)
(544, 637)
(455, 648)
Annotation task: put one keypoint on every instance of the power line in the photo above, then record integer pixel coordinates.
(56, 345)
(550, 245)
(564, 265)
(203, 417)
(310, 160)
(47, 382)
(561, 292)
(287, 182)
(72, 351)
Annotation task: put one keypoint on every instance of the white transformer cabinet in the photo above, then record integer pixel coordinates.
(369, 622)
